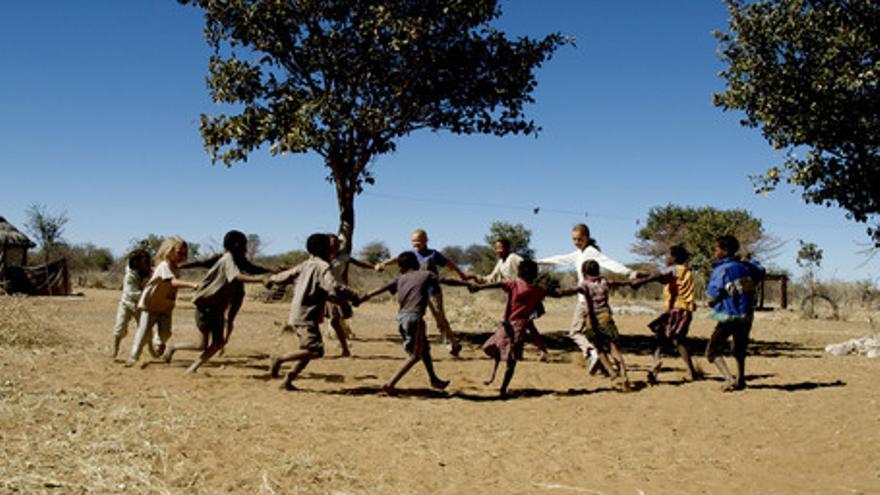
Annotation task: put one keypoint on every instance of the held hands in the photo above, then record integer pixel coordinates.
(379, 267)
(472, 288)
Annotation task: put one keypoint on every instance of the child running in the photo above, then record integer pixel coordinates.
(600, 329)
(414, 288)
(523, 298)
(137, 272)
(432, 260)
(218, 298)
(731, 292)
(158, 299)
(585, 249)
(314, 286)
(672, 325)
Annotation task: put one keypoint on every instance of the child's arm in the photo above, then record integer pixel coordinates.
(382, 264)
(376, 292)
(361, 264)
(478, 287)
(453, 281)
(252, 279)
(562, 259)
(452, 266)
(565, 292)
(182, 284)
(285, 277)
(206, 262)
(657, 277)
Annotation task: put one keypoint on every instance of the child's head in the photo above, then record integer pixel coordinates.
(527, 270)
(726, 245)
(502, 247)
(139, 260)
(419, 240)
(173, 250)
(407, 261)
(590, 268)
(236, 243)
(580, 236)
(334, 245)
(677, 255)
(318, 245)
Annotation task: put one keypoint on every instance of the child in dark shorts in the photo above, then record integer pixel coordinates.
(523, 300)
(673, 324)
(314, 286)
(219, 297)
(599, 325)
(731, 293)
(413, 288)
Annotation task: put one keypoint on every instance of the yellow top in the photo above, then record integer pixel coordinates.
(679, 291)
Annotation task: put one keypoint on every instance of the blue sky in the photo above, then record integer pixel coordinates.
(99, 106)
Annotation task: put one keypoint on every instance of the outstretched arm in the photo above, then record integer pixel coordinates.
(564, 292)
(361, 264)
(376, 292)
(477, 287)
(382, 264)
(205, 262)
(452, 266)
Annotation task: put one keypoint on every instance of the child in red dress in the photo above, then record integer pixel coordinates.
(523, 298)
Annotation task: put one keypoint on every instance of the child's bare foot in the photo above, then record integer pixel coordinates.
(346, 353)
(275, 368)
(288, 385)
(168, 354)
(729, 386)
(489, 381)
(145, 364)
(455, 350)
(439, 384)
(544, 357)
(504, 394)
(389, 390)
(626, 386)
(129, 363)
(696, 376)
(652, 378)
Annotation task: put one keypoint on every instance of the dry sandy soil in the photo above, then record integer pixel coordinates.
(74, 421)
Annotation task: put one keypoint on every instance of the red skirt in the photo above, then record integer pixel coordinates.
(674, 323)
(507, 342)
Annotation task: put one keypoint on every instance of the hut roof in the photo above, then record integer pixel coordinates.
(11, 236)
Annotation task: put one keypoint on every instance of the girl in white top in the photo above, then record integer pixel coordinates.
(585, 250)
(158, 299)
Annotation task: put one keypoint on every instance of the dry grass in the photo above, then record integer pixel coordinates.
(20, 326)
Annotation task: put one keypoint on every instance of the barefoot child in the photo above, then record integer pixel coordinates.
(314, 286)
(137, 272)
(432, 260)
(158, 298)
(339, 313)
(413, 288)
(523, 298)
(218, 298)
(672, 325)
(731, 292)
(599, 326)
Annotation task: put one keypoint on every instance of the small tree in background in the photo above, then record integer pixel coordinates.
(374, 252)
(254, 246)
(46, 228)
(697, 229)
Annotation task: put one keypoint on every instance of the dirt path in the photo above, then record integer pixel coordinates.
(73, 421)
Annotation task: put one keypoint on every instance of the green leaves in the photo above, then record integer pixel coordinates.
(805, 72)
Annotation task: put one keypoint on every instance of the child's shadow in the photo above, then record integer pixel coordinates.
(797, 387)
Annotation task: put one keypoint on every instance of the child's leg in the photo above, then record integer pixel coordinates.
(621, 366)
(435, 304)
(407, 365)
(162, 334)
(740, 349)
(494, 370)
(200, 345)
(140, 337)
(538, 341)
(124, 314)
(686, 357)
(338, 325)
(425, 352)
(312, 347)
(508, 375)
(217, 342)
(714, 350)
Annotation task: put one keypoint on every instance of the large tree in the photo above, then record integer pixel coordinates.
(696, 228)
(806, 72)
(347, 78)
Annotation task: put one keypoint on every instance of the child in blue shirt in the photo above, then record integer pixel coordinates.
(731, 292)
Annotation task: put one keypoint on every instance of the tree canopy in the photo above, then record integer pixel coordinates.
(806, 72)
(696, 229)
(347, 78)
(46, 227)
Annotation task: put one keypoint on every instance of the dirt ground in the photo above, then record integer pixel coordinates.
(74, 421)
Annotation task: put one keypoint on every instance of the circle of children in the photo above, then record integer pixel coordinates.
(149, 295)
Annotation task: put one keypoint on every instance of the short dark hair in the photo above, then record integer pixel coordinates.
(504, 242)
(590, 267)
(318, 245)
(679, 253)
(728, 244)
(233, 240)
(407, 261)
(527, 270)
(135, 256)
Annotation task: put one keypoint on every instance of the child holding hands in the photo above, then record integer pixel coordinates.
(137, 272)
(599, 326)
(413, 288)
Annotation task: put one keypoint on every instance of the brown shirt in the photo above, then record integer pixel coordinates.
(218, 287)
(314, 284)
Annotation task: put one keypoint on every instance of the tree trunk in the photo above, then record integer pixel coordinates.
(345, 199)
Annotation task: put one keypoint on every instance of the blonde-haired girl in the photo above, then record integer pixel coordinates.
(158, 298)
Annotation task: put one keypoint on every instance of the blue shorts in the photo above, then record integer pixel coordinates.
(409, 324)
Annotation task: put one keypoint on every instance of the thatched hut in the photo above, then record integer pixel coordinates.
(13, 248)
